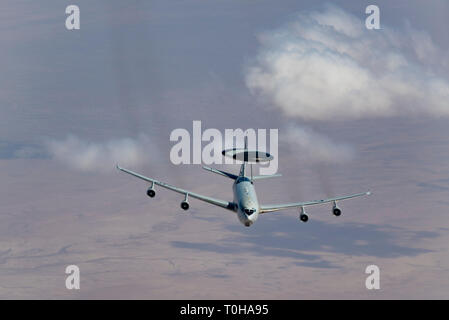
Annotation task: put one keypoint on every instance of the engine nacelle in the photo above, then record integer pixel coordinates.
(302, 215)
(150, 192)
(336, 211)
(185, 205)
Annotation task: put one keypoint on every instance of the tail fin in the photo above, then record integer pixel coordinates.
(222, 173)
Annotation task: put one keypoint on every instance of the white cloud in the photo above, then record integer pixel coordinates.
(327, 65)
(88, 156)
(311, 147)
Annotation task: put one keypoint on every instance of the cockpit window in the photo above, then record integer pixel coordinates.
(249, 211)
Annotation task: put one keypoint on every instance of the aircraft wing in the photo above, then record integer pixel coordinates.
(217, 202)
(277, 207)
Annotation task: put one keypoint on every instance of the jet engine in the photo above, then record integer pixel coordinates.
(185, 205)
(150, 192)
(336, 210)
(302, 215)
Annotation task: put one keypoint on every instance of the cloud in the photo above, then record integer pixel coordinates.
(326, 65)
(315, 148)
(88, 156)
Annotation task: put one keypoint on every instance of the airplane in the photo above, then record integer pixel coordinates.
(245, 202)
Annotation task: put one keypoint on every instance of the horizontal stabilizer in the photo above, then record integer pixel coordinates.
(267, 176)
(222, 173)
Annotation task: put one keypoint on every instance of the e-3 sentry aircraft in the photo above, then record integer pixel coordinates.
(245, 202)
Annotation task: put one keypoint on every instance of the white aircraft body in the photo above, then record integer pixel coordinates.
(245, 202)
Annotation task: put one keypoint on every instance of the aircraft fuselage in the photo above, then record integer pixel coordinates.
(245, 198)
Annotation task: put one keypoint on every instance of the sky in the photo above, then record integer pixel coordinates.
(356, 110)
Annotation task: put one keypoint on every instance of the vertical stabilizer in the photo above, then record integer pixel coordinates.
(243, 167)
